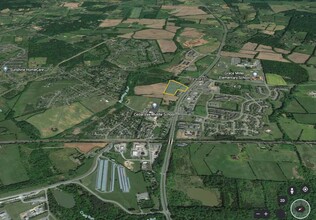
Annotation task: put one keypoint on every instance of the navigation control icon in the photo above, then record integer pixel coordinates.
(257, 214)
(300, 209)
(292, 191)
(282, 200)
(305, 189)
(280, 214)
(265, 213)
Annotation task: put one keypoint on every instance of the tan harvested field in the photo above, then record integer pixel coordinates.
(85, 147)
(198, 17)
(127, 36)
(172, 28)
(298, 57)
(248, 52)
(264, 48)
(153, 34)
(167, 46)
(71, 5)
(191, 33)
(279, 27)
(279, 8)
(234, 54)
(271, 56)
(268, 32)
(279, 50)
(195, 43)
(153, 89)
(249, 46)
(110, 22)
(231, 25)
(262, 26)
(183, 10)
(150, 23)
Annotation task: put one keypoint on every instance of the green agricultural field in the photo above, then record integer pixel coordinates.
(12, 169)
(198, 152)
(205, 196)
(305, 118)
(250, 193)
(96, 104)
(267, 170)
(174, 87)
(181, 162)
(64, 199)
(61, 159)
(27, 102)
(136, 12)
(307, 153)
(37, 61)
(230, 161)
(56, 120)
(275, 80)
(291, 170)
(139, 103)
(293, 106)
(297, 131)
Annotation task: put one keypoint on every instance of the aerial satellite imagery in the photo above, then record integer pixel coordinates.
(157, 109)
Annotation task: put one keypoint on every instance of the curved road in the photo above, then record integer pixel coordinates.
(165, 166)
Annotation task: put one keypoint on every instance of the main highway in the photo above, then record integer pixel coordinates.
(165, 166)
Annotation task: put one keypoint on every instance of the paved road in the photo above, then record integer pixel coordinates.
(165, 166)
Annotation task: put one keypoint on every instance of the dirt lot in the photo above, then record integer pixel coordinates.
(110, 22)
(153, 89)
(249, 46)
(271, 56)
(279, 50)
(234, 54)
(172, 28)
(150, 23)
(154, 34)
(298, 57)
(127, 36)
(71, 5)
(183, 10)
(85, 147)
(167, 46)
(248, 52)
(264, 48)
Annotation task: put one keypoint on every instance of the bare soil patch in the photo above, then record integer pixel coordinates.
(183, 10)
(154, 34)
(195, 43)
(249, 46)
(248, 52)
(234, 54)
(167, 46)
(279, 50)
(85, 147)
(110, 22)
(298, 57)
(271, 56)
(71, 5)
(150, 23)
(191, 33)
(153, 90)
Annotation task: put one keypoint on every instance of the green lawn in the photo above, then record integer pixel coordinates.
(12, 169)
(139, 103)
(200, 110)
(275, 80)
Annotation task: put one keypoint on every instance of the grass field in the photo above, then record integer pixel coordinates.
(297, 131)
(197, 154)
(135, 13)
(222, 159)
(200, 110)
(207, 197)
(14, 209)
(275, 80)
(56, 120)
(307, 153)
(250, 193)
(28, 100)
(290, 170)
(64, 199)
(139, 103)
(305, 118)
(267, 170)
(12, 169)
(174, 87)
(97, 104)
(61, 159)
(294, 107)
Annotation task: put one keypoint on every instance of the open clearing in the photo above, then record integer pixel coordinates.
(64, 199)
(110, 22)
(153, 34)
(56, 120)
(183, 10)
(275, 80)
(207, 197)
(71, 5)
(153, 89)
(140, 103)
(167, 46)
(12, 169)
(61, 159)
(149, 23)
(271, 56)
(85, 147)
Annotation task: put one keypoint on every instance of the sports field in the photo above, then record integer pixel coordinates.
(275, 80)
(56, 120)
(173, 87)
(12, 169)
